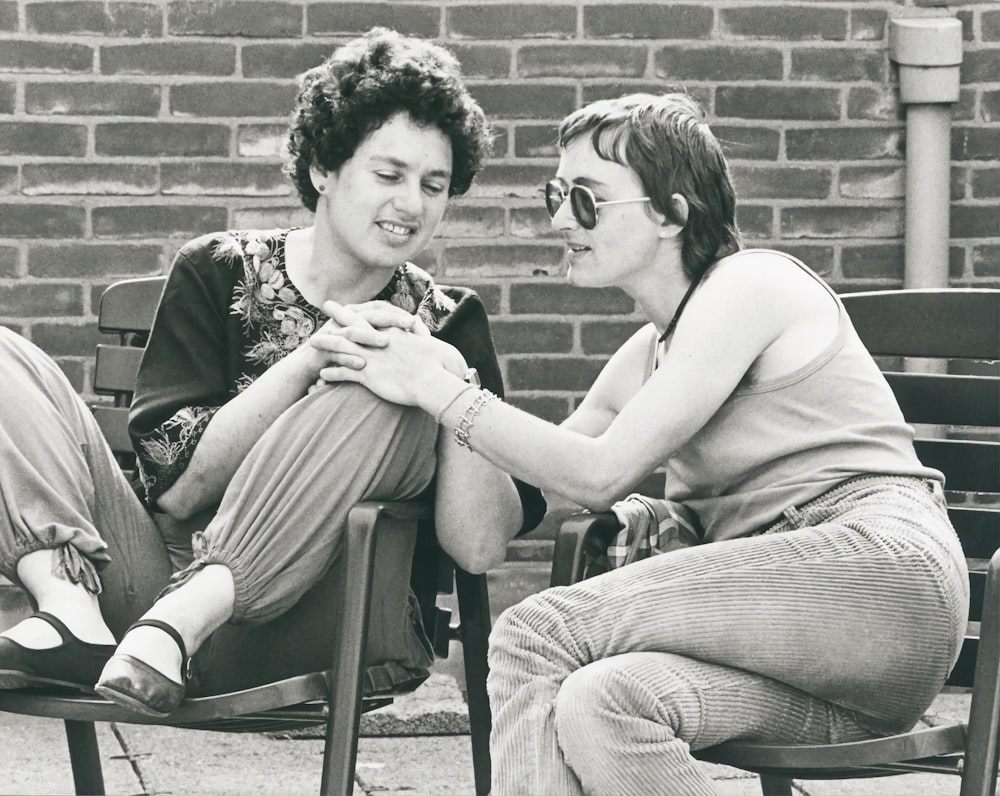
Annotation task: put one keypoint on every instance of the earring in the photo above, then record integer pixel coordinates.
(321, 188)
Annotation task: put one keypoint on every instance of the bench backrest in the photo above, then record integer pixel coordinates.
(952, 397)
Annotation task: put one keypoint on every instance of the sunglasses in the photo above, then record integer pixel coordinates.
(582, 202)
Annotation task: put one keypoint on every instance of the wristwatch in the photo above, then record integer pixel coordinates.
(472, 377)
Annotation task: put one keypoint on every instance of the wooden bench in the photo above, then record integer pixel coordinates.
(957, 417)
(333, 697)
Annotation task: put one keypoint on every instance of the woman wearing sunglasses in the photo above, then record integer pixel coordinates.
(750, 388)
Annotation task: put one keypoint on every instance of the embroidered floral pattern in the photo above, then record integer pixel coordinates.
(275, 320)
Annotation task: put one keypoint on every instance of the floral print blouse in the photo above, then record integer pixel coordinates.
(229, 312)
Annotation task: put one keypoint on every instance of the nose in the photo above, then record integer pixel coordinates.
(563, 219)
(409, 198)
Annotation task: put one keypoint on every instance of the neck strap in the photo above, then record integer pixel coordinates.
(680, 307)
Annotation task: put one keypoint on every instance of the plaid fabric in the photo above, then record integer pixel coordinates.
(650, 526)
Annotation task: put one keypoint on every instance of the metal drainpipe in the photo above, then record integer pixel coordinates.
(928, 49)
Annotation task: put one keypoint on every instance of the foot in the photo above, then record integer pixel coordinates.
(71, 663)
(37, 634)
(131, 679)
(155, 648)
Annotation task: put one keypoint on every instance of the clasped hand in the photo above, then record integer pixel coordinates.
(384, 348)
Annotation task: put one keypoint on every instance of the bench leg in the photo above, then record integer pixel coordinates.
(474, 612)
(84, 757)
(775, 786)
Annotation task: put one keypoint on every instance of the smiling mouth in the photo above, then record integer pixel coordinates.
(397, 229)
(578, 249)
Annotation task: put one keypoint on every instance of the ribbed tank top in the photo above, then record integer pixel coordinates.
(777, 444)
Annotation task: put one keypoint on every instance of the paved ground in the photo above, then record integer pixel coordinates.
(160, 760)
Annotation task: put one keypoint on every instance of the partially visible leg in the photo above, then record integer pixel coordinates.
(279, 527)
(797, 607)
(66, 510)
(626, 724)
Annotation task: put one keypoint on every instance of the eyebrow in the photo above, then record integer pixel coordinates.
(402, 164)
(587, 181)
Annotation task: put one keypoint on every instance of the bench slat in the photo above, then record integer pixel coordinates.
(947, 400)
(970, 465)
(128, 306)
(113, 421)
(115, 369)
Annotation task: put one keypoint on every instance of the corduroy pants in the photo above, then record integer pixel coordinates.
(839, 623)
(279, 526)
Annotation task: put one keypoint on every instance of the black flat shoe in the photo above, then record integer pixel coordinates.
(73, 664)
(134, 684)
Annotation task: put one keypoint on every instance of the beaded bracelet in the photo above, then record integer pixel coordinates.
(464, 427)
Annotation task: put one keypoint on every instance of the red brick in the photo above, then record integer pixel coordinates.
(986, 260)
(525, 100)
(545, 297)
(707, 62)
(648, 21)
(356, 18)
(842, 65)
(107, 19)
(261, 140)
(266, 19)
(958, 179)
(990, 23)
(501, 140)
(76, 371)
(271, 217)
(531, 222)
(232, 99)
(282, 60)
(169, 58)
(89, 178)
(472, 221)
(965, 108)
(603, 337)
(161, 139)
(92, 99)
(781, 182)
(8, 180)
(844, 143)
(868, 24)
(748, 143)
(818, 258)
(94, 260)
(777, 102)
(536, 140)
(42, 221)
(507, 21)
(8, 93)
(873, 261)
(550, 408)
(490, 293)
(463, 262)
(975, 143)
(40, 299)
(8, 16)
(872, 182)
(986, 183)
(791, 23)
(10, 259)
(756, 222)
(144, 221)
(529, 337)
(39, 56)
(482, 60)
(975, 221)
(64, 339)
(513, 181)
(991, 106)
(611, 90)
(980, 66)
(874, 104)
(841, 222)
(553, 373)
(224, 179)
(581, 60)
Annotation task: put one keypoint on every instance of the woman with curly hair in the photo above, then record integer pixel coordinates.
(247, 465)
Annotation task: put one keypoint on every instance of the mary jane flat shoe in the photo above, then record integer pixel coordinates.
(134, 684)
(72, 664)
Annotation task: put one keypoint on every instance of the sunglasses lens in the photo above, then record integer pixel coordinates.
(584, 210)
(553, 198)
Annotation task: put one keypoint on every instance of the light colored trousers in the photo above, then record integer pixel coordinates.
(841, 623)
(279, 527)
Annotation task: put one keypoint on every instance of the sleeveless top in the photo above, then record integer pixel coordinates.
(780, 443)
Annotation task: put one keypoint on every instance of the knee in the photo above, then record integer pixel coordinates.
(532, 624)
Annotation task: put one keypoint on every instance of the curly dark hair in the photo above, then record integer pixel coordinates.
(364, 83)
(665, 140)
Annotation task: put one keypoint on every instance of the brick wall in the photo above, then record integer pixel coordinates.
(128, 127)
